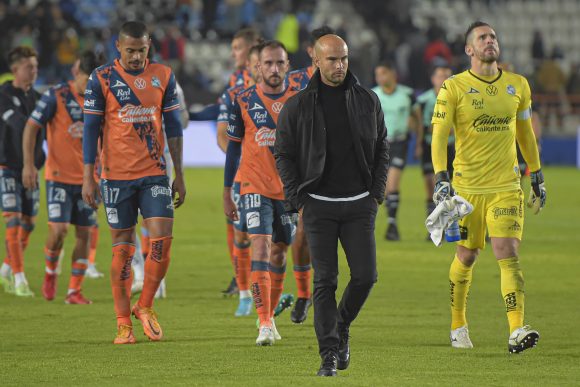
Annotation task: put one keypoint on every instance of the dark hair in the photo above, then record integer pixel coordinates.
(388, 64)
(89, 61)
(255, 49)
(319, 33)
(134, 29)
(250, 35)
(436, 66)
(473, 26)
(272, 44)
(20, 52)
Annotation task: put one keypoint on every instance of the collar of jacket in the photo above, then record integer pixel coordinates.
(350, 80)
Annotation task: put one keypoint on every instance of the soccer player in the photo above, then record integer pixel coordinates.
(490, 110)
(241, 248)
(60, 112)
(424, 107)
(252, 131)
(131, 98)
(300, 254)
(241, 78)
(19, 205)
(397, 103)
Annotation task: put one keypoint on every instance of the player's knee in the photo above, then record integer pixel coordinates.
(467, 256)
(59, 231)
(241, 239)
(325, 282)
(83, 234)
(364, 280)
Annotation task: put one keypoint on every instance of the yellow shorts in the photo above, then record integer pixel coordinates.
(501, 212)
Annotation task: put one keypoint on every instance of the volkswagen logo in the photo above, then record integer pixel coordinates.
(140, 83)
(491, 90)
(277, 107)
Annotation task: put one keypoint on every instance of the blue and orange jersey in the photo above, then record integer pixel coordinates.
(240, 77)
(253, 120)
(299, 79)
(132, 104)
(60, 112)
(226, 100)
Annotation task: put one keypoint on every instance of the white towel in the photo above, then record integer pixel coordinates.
(444, 214)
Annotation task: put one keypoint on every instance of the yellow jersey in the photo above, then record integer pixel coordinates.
(483, 111)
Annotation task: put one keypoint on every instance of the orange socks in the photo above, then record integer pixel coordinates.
(121, 277)
(302, 276)
(79, 266)
(51, 260)
(243, 266)
(14, 247)
(230, 241)
(260, 277)
(94, 241)
(156, 266)
(277, 275)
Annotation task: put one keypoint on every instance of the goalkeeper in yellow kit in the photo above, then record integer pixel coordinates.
(490, 109)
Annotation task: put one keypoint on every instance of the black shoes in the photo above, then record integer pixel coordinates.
(392, 233)
(232, 289)
(300, 311)
(343, 348)
(328, 365)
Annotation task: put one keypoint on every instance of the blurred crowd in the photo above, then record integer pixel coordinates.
(60, 29)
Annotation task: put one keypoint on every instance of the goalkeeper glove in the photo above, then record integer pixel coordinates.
(537, 199)
(443, 190)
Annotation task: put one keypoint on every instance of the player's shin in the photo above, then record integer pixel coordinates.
(277, 276)
(156, 266)
(121, 281)
(460, 277)
(512, 291)
(261, 284)
(243, 268)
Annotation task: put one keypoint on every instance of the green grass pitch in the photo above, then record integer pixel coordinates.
(400, 337)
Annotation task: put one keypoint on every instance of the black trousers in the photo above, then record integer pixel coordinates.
(353, 223)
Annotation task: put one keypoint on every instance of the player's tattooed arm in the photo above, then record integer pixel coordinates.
(178, 187)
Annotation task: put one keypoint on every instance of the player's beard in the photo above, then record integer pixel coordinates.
(273, 81)
(488, 57)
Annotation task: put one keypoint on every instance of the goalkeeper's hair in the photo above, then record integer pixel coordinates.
(134, 29)
(473, 26)
(89, 61)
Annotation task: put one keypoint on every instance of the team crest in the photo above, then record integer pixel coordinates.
(511, 90)
(140, 83)
(155, 82)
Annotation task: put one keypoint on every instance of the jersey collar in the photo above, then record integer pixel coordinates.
(486, 81)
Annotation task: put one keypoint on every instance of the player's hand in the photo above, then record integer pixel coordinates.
(30, 177)
(443, 189)
(178, 191)
(90, 191)
(230, 209)
(537, 199)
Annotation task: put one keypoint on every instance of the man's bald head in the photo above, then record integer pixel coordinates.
(331, 57)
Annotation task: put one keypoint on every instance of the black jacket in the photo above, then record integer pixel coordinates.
(300, 149)
(15, 108)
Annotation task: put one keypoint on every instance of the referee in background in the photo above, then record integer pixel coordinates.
(331, 153)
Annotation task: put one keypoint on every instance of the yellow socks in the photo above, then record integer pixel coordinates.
(459, 283)
(512, 291)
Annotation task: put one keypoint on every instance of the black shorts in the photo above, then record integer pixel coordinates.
(398, 150)
(427, 161)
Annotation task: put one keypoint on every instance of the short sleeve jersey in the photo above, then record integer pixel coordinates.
(397, 108)
(253, 123)
(132, 104)
(484, 113)
(60, 111)
(226, 101)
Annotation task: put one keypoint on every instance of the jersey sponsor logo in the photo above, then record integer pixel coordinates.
(54, 210)
(515, 227)
(140, 83)
(489, 123)
(504, 211)
(265, 136)
(491, 90)
(123, 94)
(155, 82)
(472, 91)
(36, 115)
(131, 113)
(160, 190)
(511, 90)
(260, 117)
(438, 114)
(477, 104)
(88, 92)
(76, 130)
(118, 83)
(441, 102)
(253, 219)
(256, 106)
(112, 215)
(8, 201)
(89, 103)
(277, 107)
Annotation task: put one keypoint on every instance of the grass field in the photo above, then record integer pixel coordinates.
(400, 338)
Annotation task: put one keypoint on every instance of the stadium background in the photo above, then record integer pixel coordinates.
(401, 337)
